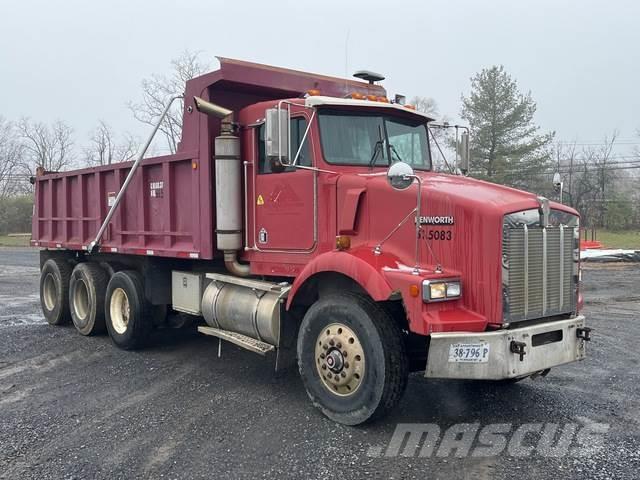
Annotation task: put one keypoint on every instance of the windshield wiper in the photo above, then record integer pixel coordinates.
(376, 150)
(393, 149)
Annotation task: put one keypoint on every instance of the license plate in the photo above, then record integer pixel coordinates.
(469, 352)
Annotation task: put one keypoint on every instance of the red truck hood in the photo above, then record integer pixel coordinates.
(470, 213)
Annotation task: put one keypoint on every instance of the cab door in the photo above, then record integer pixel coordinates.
(284, 201)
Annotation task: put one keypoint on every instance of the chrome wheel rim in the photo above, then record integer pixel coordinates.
(119, 310)
(49, 291)
(340, 359)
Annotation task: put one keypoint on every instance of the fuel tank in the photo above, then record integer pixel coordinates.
(250, 307)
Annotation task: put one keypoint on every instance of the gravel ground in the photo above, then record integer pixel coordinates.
(76, 407)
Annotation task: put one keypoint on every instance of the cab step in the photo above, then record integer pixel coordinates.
(239, 339)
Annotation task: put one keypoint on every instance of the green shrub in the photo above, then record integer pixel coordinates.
(15, 214)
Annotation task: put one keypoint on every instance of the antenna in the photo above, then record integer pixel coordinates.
(346, 62)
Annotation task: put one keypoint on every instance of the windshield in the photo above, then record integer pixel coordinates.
(350, 138)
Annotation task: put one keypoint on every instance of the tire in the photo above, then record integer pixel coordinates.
(87, 290)
(127, 313)
(376, 378)
(54, 291)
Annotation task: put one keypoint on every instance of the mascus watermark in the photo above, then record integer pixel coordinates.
(494, 439)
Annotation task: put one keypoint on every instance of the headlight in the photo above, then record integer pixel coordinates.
(439, 290)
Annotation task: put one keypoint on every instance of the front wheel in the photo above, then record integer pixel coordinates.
(352, 358)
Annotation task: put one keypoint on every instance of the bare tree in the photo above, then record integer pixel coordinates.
(567, 163)
(46, 146)
(11, 153)
(426, 105)
(440, 143)
(156, 91)
(104, 149)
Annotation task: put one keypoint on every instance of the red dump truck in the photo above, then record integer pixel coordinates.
(300, 218)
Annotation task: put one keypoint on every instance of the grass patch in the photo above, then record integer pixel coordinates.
(6, 241)
(627, 240)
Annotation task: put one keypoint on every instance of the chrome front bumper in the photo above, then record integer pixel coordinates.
(545, 345)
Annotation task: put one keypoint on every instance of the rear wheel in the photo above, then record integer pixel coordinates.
(54, 291)
(87, 289)
(126, 310)
(352, 358)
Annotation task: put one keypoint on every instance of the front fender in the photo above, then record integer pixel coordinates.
(361, 265)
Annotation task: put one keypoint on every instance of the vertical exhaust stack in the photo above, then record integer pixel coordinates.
(228, 175)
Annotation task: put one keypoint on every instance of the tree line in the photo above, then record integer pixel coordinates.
(506, 147)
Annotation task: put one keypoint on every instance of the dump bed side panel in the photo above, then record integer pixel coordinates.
(160, 214)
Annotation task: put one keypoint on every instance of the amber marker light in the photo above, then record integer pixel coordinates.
(194, 165)
(414, 290)
(343, 242)
(313, 92)
(357, 96)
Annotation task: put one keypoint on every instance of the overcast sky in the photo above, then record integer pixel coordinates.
(82, 60)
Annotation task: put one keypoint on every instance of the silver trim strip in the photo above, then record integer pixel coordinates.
(561, 266)
(526, 270)
(544, 270)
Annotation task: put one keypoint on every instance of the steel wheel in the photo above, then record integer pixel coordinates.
(119, 310)
(54, 290)
(49, 291)
(81, 300)
(340, 359)
(127, 311)
(352, 358)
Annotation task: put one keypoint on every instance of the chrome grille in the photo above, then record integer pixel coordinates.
(538, 272)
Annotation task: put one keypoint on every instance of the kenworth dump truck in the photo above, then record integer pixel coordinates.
(300, 218)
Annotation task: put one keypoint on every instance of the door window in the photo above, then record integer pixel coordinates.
(298, 127)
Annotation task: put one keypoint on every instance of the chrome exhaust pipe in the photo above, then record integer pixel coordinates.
(232, 264)
(211, 108)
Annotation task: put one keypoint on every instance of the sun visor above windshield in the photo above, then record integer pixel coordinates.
(314, 101)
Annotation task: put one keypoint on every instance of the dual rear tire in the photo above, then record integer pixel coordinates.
(127, 312)
(94, 302)
(87, 288)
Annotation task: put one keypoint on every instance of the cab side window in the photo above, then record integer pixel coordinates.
(298, 127)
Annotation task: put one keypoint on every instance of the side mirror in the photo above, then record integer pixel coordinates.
(400, 176)
(464, 153)
(276, 135)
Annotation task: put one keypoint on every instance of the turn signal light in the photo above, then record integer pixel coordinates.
(343, 242)
(414, 290)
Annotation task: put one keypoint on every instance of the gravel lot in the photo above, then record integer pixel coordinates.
(76, 407)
